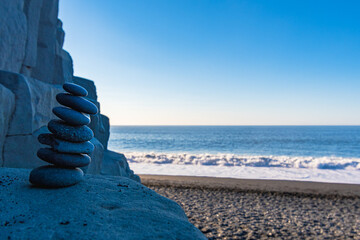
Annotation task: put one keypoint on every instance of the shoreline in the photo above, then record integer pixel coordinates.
(241, 172)
(253, 185)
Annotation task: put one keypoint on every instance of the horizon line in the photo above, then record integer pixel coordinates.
(247, 125)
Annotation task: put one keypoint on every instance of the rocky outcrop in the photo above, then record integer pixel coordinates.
(33, 66)
(13, 35)
(101, 207)
(34, 101)
(32, 12)
(7, 100)
(116, 164)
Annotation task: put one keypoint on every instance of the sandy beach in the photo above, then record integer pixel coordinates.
(224, 208)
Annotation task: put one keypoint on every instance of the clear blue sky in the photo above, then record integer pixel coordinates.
(197, 62)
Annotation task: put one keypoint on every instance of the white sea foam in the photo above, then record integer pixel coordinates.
(297, 174)
(318, 169)
(232, 160)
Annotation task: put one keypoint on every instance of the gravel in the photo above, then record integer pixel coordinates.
(236, 214)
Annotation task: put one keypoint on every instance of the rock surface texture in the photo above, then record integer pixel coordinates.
(101, 207)
(33, 68)
(65, 170)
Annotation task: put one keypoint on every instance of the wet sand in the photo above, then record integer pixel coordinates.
(260, 209)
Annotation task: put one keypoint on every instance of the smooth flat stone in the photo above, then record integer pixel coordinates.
(75, 89)
(78, 103)
(55, 177)
(65, 146)
(70, 133)
(71, 116)
(63, 159)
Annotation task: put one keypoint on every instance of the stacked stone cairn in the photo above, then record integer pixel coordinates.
(69, 141)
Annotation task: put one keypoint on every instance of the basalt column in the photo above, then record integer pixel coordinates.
(69, 141)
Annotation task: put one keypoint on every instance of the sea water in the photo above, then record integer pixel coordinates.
(312, 153)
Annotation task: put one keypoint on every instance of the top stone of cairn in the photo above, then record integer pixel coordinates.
(75, 89)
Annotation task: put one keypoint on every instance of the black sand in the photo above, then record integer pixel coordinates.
(262, 209)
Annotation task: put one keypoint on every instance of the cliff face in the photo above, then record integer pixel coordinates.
(33, 67)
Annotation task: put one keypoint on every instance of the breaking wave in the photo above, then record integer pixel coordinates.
(334, 163)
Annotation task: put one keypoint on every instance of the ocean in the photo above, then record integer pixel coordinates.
(311, 153)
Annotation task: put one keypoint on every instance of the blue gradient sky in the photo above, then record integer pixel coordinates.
(188, 62)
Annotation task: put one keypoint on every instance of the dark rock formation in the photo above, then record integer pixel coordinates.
(33, 67)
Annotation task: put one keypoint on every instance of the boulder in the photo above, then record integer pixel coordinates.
(13, 35)
(101, 128)
(101, 207)
(116, 164)
(7, 107)
(96, 158)
(104, 135)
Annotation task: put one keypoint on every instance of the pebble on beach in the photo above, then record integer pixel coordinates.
(225, 214)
